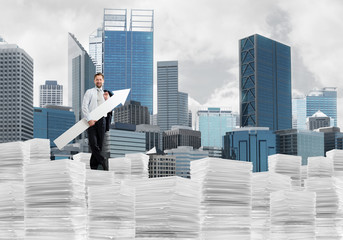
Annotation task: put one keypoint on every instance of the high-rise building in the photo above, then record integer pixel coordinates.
(190, 118)
(51, 121)
(128, 53)
(213, 124)
(132, 112)
(16, 93)
(324, 100)
(332, 138)
(172, 105)
(51, 94)
(250, 144)
(153, 136)
(95, 48)
(265, 83)
(181, 136)
(81, 71)
(299, 113)
(318, 120)
(302, 143)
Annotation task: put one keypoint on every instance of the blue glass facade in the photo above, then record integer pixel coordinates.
(50, 123)
(265, 83)
(213, 124)
(324, 100)
(250, 145)
(299, 113)
(128, 63)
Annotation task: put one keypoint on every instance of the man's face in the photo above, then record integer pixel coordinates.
(106, 95)
(98, 81)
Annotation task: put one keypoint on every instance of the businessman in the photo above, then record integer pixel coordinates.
(96, 131)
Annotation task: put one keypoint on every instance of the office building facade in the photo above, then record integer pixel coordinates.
(51, 121)
(213, 124)
(265, 83)
(153, 136)
(51, 93)
(325, 100)
(95, 49)
(183, 156)
(16, 94)
(302, 143)
(128, 53)
(132, 112)
(317, 120)
(299, 113)
(172, 105)
(332, 138)
(161, 166)
(181, 137)
(250, 144)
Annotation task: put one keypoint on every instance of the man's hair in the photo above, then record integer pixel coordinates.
(99, 74)
(109, 93)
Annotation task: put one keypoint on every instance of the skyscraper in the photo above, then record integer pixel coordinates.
(318, 120)
(16, 94)
(128, 54)
(95, 48)
(265, 83)
(299, 113)
(172, 105)
(213, 124)
(51, 93)
(324, 100)
(81, 70)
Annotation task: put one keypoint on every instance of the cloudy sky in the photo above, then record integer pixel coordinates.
(201, 34)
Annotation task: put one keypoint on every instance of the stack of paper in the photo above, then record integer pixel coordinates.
(225, 189)
(292, 215)
(337, 157)
(83, 157)
(12, 211)
(55, 202)
(111, 212)
(139, 165)
(121, 167)
(319, 167)
(98, 178)
(264, 183)
(39, 150)
(288, 165)
(167, 208)
(13, 157)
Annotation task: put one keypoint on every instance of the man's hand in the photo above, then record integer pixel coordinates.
(91, 122)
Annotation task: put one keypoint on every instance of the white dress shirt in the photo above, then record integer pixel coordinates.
(90, 102)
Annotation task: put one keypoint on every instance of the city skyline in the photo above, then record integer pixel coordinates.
(206, 48)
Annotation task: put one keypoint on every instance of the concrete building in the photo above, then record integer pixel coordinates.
(181, 137)
(95, 48)
(153, 136)
(302, 143)
(332, 138)
(172, 105)
(215, 152)
(132, 113)
(51, 94)
(122, 139)
(160, 165)
(16, 93)
(250, 144)
(317, 120)
(183, 156)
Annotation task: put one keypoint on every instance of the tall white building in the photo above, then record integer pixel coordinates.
(172, 105)
(51, 94)
(16, 93)
(95, 49)
(299, 113)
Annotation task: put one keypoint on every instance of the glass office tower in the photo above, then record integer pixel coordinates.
(299, 113)
(265, 83)
(128, 54)
(324, 100)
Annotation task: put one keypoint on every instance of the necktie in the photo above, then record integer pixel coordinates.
(100, 96)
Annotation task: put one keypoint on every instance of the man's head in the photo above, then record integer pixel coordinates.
(107, 94)
(99, 80)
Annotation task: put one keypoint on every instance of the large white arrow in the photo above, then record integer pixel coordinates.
(119, 97)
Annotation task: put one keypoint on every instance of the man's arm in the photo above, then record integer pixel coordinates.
(85, 108)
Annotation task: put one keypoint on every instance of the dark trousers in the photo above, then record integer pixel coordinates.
(96, 136)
